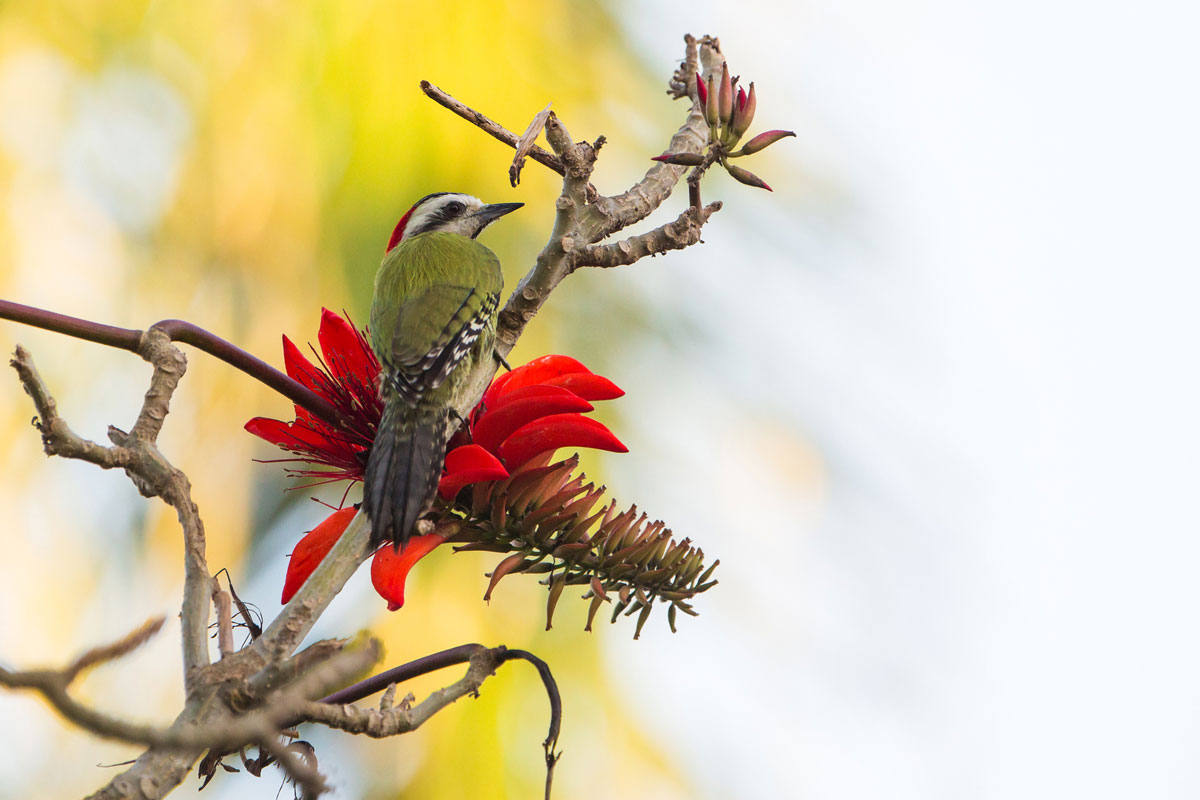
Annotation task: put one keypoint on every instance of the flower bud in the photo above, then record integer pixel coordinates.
(747, 177)
(725, 99)
(763, 141)
(682, 159)
(745, 115)
(701, 92)
(711, 115)
(731, 134)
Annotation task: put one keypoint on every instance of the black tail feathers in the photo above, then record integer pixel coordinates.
(403, 470)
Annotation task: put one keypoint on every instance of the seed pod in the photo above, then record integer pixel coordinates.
(555, 592)
(597, 601)
(708, 572)
(645, 615)
(503, 568)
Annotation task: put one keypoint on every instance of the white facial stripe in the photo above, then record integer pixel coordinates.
(430, 211)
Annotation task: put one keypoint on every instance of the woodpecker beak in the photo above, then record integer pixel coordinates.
(490, 213)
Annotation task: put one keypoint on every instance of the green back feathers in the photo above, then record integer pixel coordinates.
(414, 292)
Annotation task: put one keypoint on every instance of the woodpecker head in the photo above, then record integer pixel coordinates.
(448, 212)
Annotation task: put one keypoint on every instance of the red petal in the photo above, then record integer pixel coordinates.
(553, 432)
(341, 347)
(466, 465)
(312, 549)
(287, 436)
(536, 371)
(298, 367)
(273, 430)
(389, 569)
(498, 423)
(587, 385)
(701, 91)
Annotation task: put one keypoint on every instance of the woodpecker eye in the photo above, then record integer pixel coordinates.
(454, 208)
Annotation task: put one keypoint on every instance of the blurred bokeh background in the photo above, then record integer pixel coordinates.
(931, 402)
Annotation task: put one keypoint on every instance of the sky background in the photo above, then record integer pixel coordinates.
(931, 402)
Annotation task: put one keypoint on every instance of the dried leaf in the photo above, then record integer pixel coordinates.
(525, 144)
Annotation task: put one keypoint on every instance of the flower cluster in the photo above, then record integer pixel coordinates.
(728, 110)
(524, 416)
(347, 375)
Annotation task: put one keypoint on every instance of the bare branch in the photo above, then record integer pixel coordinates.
(150, 472)
(109, 652)
(57, 437)
(222, 733)
(583, 218)
(488, 126)
(380, 724)
(683, 82)
(555, 710)
(611, 214)
(336, 710)
(683, 232)
(405, 672)
(224, 607)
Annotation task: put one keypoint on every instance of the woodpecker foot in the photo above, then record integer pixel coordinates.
(500, 358)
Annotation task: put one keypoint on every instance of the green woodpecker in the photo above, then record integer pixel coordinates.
(433, 319)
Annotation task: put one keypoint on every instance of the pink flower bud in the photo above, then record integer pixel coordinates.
(725, 104)
(711, 115)
(763, 141)
(683, 159)
(746, 115)
(701, 92)
(747, 177)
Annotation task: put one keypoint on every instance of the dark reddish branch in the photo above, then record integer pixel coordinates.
(405, 672)
(179, 331)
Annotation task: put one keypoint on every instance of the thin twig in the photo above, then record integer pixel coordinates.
(489, 126)
(110, 652)
(298, 770)
(555, 709)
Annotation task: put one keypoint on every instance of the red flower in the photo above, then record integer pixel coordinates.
(530, 411)
(347, 376)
